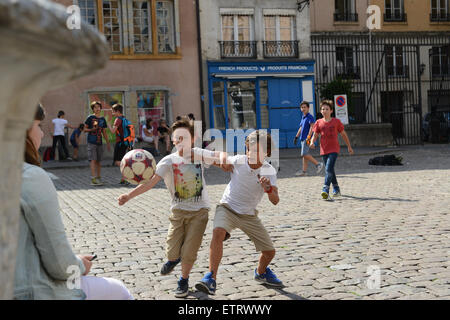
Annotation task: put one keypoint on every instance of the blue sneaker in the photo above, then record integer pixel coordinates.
(207, 284)
(336, 192)
(268, 278)
(168, 266)
(183, 288)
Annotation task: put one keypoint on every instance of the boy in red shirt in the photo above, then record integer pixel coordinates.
(328, 129)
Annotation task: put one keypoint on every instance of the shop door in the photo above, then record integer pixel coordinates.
(284, 99)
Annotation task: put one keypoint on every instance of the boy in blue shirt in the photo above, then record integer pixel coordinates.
(95, 126)
(304, 132)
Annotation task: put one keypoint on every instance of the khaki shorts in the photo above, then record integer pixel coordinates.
(252, 226)
(186, 234)
(94, 152)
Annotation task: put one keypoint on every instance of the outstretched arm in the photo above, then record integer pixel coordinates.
(140, 189)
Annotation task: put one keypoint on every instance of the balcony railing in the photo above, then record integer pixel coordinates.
(348, 72)
(398, 71)
(346, 16)
(238, 49)
(280, 49)
(438, 17)
(439, 71)
(395, 17)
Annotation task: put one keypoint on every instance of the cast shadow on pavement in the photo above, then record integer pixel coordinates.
(290, 295)
(373, 198)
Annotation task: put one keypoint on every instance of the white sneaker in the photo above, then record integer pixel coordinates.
(300, 173)
(320, 167)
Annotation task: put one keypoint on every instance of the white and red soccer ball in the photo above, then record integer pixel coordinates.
(137, 166)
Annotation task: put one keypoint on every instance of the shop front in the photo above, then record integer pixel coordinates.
(260, 95)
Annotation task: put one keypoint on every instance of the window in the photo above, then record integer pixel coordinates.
(440, 10)
(88, 11)
(128, 25)
(279, 28)
(152, 104)
(345, 10)
(346, 62)
(142, 21)
(440, 61)
(107, 99)
(279, 36)
(237, 36)
(237, 28)
(395, 61)
(394, 10)
(112, 25)
(164, 25)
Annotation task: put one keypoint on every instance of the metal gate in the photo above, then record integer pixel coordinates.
(387, 74)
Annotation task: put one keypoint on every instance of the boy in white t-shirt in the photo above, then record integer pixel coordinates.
(59, 124)
(251, 177)
(190, 203)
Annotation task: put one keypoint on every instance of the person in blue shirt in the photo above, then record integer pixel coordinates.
(75, 140)
(304, 133)
(95, 126)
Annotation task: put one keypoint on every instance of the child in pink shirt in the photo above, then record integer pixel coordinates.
(328, 129)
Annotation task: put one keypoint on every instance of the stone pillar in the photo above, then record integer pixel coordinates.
(37, 53)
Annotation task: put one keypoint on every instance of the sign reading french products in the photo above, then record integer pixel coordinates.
(261, 68)
(341, 109)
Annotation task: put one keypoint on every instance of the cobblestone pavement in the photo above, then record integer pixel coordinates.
(392, 218)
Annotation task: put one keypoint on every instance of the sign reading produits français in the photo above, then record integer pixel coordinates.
(261, 68)
(340, 104)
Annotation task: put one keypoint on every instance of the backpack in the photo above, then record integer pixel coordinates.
(388, 160)
(128, 133)
(47, 154)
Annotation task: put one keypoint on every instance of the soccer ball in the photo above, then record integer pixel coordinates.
(137, 166)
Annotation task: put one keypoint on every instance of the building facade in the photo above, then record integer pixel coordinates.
(257, 65)
(399, 72)
(153, 66)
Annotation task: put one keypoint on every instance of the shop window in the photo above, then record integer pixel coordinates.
(154, 105)
(241, 104)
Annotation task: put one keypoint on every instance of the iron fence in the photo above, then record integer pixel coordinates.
(386, 87)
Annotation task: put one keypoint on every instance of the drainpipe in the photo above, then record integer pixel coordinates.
(200, 63)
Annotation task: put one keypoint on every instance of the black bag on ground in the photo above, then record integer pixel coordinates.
(388, 160)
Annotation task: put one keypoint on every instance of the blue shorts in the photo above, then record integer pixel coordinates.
(74, 143)
(305, 148)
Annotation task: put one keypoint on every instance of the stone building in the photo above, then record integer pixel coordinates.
(256, 65)
(153, 64)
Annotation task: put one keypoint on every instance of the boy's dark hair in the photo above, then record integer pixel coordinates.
(327, 103)
(118, 107)
(148, 123)
(257, 136)
(60, 113)
(306, 103)
(178, 118)
(183, 123)
(191, 116)
(93, 104)
(81, 126)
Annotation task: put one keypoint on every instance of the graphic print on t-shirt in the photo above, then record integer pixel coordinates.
(188, 181)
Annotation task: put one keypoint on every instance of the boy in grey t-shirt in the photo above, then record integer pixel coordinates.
(190, 204)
